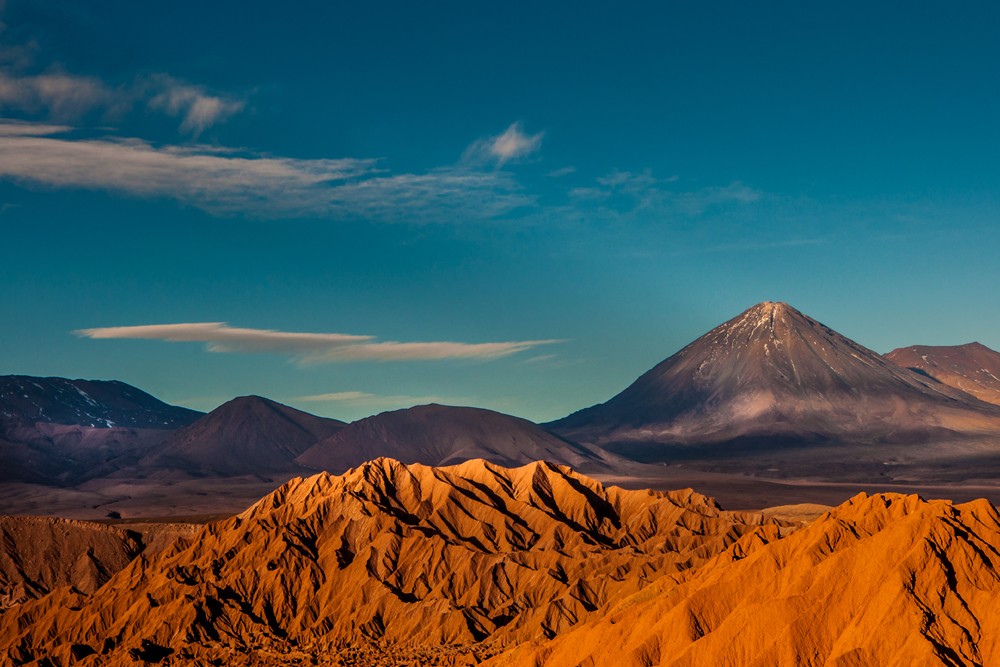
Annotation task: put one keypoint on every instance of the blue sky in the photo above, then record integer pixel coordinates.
(514, 206)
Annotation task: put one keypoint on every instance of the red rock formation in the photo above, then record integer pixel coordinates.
(411, 560)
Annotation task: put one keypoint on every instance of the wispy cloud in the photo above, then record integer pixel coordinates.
(367, 401)
(746, 246)
(512, 144)
(335, 396)
(16, 128)
(60, 96)
(31, 85)
(625, 192)
(311, 348)
(66, 97)
(198, 108)
(225, 181)
(539, 359)
(562, 171)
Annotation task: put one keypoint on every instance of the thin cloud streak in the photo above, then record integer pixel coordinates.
(227, 182)
(60, 96)
(311, 348)
(748, 246)
(624, 191)
(363, 399)
(335, 396)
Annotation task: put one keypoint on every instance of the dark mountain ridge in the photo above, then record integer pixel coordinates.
(60, 431)
(93, 403)
(445, 435)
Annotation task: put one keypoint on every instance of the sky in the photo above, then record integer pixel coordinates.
(357, 207)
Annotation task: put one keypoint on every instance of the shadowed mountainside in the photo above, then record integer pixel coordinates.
(775, 376)
(386, 564)
(972, 368)
(59, 431)
(442, 435)
(94, 403)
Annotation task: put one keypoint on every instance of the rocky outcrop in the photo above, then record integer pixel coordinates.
(880, 580)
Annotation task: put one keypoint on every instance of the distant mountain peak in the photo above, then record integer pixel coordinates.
(768, 319)
(773, 372)
(772, 308)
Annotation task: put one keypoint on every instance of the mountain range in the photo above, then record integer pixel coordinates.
(458, 536)
(92, 403)
(772, 393)
(246, 436)
(60, 431)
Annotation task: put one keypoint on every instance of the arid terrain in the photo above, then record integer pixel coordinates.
(769, 495)
(390, 564)
(475, 557)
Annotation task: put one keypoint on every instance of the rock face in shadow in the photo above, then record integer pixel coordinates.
(972, 368)
(249, 435)
(881, 580)
(41, 554)
(385, 564)
(775, 375)
(442, 435)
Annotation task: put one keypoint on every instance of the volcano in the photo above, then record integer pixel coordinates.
(248, 435)
(773, 374)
